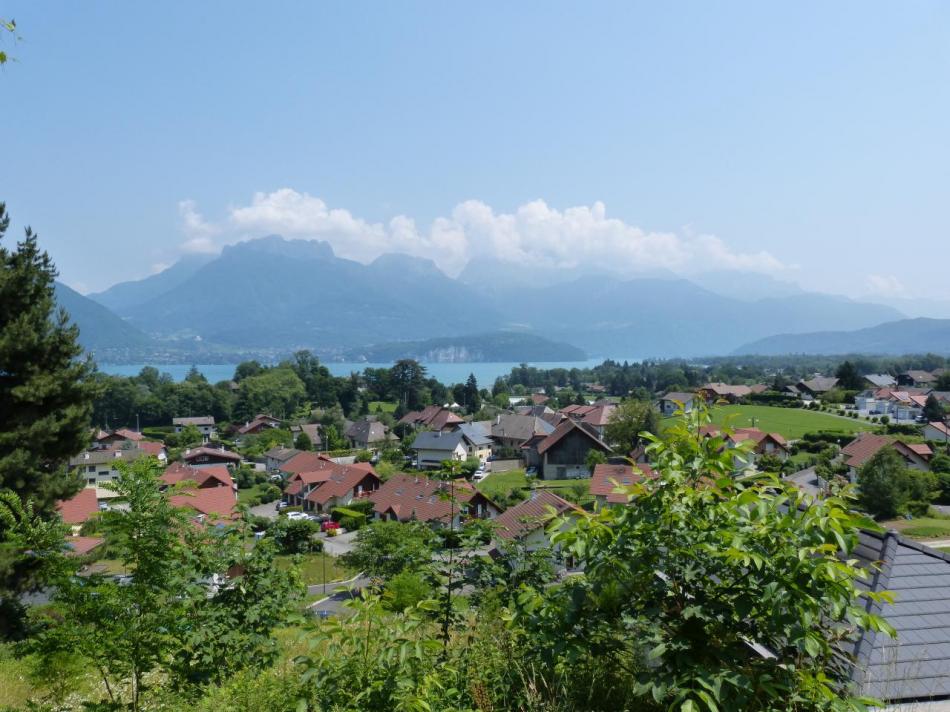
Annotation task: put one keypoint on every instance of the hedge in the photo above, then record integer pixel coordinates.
(349, 519)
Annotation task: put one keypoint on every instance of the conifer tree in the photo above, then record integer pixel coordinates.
(46, 385)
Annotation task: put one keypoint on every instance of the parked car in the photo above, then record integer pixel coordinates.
(328, 525)
(479, 475)
(281, 504)
(296, 515)
(531, 471)
(103, 506)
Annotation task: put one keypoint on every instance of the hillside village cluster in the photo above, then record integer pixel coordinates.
(443, 451)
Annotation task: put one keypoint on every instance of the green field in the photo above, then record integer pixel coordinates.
(385, 406)
(791, 423)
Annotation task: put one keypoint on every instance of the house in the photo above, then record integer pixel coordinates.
(713, 392)
(303, 461)
(433, 447)
(156, 450)
(937, 431)
(201, 456)
(763, 443)
(866, 445)
(407, 498)
(313, 432)
(479, 436)
(277, 456)
(369, 435)
(598, 417)
(527, 522)
(817, 386)
(432, 417)
(212, 505)
(106, 440)
(511, 430)
(880, 380)
(98, 467)
(77, 510)
(205, 425)
(203, 477)
(259, 424)
(331, 485)
(916, 378)
(563, 454)
(911, 671)
(676, 400)
(607, 478)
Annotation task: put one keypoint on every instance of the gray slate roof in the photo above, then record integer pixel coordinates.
(881, 380)
(915, 665)
(437, 440)
(475, 432)
(367, 431)
(520, 427)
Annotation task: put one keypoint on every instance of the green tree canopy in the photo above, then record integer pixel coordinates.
(46, 386)
(628, 420)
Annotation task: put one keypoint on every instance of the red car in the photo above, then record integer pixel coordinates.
(329, 524)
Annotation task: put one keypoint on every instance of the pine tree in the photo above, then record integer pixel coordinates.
(46, 386)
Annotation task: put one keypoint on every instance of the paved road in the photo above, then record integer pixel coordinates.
(338, 594)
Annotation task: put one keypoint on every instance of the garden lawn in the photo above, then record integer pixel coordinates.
(249, 493)
(791, 423)
(502, 483)
(311, 567)
(921, 528)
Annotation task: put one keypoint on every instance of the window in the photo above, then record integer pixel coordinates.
(92, 481)
(90, 468)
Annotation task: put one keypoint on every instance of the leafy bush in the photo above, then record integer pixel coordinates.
(295, 536)
(405, 590)
(364, 456)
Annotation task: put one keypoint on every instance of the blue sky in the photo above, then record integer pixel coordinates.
(807, 140)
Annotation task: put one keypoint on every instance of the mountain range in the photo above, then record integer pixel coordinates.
(897, 337)
(272, 296)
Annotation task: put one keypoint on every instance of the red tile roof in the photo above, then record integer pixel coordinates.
(411, 497)
(153, 449)
(220, 501)
(342, 480)
(599, 416)
(532, 514)
(606, 479)
(78, 509)
(562, 430)
(940, 427)
(81, 545)
(209, 476)
(128, 434)
(304, 462)
(864, 447)
(922, 450)
(211, 452)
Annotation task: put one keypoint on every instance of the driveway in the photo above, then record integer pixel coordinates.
(268, 510)
(339, 545)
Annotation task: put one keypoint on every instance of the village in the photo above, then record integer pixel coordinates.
(439, 467)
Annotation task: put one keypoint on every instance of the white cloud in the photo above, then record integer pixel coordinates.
(200, 232)
(159, 267)
(886, 285)
(534, 234)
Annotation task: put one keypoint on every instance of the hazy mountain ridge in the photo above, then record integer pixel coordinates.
(100, 330)
(272, 293)
(897, 337)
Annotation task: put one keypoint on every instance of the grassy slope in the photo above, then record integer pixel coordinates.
(311, 568)
(792, 423)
